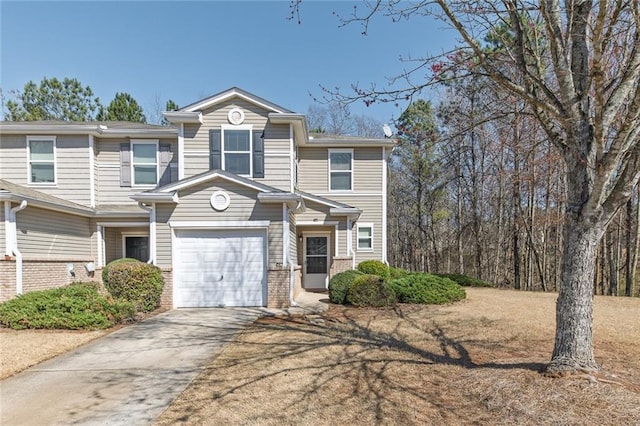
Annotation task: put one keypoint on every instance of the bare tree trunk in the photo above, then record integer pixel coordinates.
(633, 244)
(573, 348)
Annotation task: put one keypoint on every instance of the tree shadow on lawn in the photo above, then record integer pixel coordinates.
(386, 364)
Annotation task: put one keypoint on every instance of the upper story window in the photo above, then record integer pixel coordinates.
(236, 156)
(41, 152)
(237, 149)
(144, 162)
(340, 169)
(147, 162)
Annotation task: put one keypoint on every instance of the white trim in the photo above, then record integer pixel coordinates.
(235, 120)
(347, 193)
(339, 151)
(154, 142)
(285, 234)
(152, 235)
(364, 225)
(92, 173)
(8, 234)
(312, 223)
(100, 245)
(174, 257)
(306, 235)
(350, 243)
(181, 153)
(177, 186)
(125, 235)
(121, 224)
(206, 103)
(241, 127)
(384, 204)
(337, 252)
(215, 224)
(109, 165)
(42, 138)
(291, 160)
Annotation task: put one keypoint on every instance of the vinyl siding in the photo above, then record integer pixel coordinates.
(46, 234)
(371, 213)
(293, 238)
(113, 240)
(316, 212)
(195, 206)
(72, 166)
(276, 143)
(2, 230)
(108, 189)
(313, 166)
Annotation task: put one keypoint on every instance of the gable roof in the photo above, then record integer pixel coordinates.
(230, 93)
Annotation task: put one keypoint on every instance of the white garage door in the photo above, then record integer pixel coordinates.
(220, 268)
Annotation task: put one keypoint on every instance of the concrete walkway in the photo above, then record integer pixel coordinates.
(130, 376)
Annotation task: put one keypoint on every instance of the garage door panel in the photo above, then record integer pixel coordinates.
(220, 268)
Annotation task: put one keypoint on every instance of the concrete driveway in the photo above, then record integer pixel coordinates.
(127, 377)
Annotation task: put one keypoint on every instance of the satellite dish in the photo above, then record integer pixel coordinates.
(387, 130)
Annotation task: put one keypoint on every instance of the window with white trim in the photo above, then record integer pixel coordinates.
(144, 162)
(340, 169)
(237, 151)
(42, 159)
(365, 237)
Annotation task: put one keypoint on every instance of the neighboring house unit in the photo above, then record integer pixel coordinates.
(235, 202)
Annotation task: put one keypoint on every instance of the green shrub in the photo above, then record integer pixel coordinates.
(370, 290)
(374, 267)
(395, 273)
(339, 285)
(466, 280)
(138, 283)
(105, 270)
(74, 307)
(426, 288)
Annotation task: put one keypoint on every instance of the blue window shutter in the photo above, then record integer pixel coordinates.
(165, 164)
(215, 149)
(258, 154)
(125, 164)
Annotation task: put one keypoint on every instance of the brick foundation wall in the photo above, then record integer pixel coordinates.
(340, 264)
(166, 300)
(41, 275)
(278, 287)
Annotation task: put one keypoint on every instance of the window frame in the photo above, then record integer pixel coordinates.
(223, 152)
(330, 171)
(364, 225)
(43, 138)
(154, 142)
(125, 235)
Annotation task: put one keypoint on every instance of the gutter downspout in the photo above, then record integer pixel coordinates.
(15, 249)
(152, 230)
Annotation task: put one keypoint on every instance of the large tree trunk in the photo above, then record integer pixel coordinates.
(574, 310)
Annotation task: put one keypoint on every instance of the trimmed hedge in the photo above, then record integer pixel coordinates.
(139, 283)
(74, 307)
(105, 270)
(370, 290)
(395, 273)
(374, 267)
(466, 280)
(339, 285)
(427, 288)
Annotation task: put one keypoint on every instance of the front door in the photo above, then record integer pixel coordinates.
(136, 248)
(316, 262)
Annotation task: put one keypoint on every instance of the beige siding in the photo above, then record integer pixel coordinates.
(107, 153)
(293, 238)
(195, 206)
(371, 213)
(113, 240)
(72, 166)
(46, 234)
(277, 142)
(313, 170)
(2, 230)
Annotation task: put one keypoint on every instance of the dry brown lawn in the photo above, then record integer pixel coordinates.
(475, 362)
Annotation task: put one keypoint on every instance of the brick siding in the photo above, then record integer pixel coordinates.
(278, 287)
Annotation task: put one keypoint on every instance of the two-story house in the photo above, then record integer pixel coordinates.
(235, 201)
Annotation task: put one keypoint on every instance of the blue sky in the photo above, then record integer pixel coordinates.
(188, 50)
